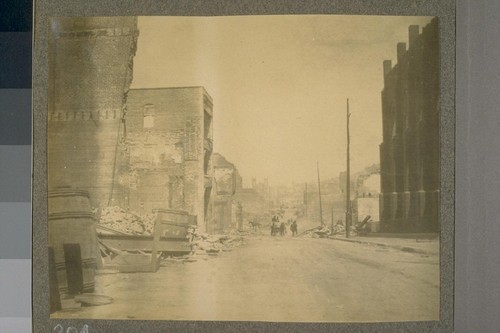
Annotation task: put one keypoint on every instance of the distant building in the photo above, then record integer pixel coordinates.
(367, 206)
(167, 151)
(368, 184)
(409, 153)
(253, 204)
(90, 69)
(363, 184)
(262, 188)
(332, 201)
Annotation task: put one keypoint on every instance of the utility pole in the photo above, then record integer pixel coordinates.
(348, 183)
(305, 201)
(319, 190)
(332, 218)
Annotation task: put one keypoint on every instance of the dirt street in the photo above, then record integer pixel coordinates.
(279, 279)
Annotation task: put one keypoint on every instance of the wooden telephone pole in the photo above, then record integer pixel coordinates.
(319, 190)
(305, 201)
(348, 214)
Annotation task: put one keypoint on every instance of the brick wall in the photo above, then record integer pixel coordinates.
(90, 70)
(167, 130)
(409, 152)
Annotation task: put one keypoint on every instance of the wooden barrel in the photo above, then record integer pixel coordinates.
(65, 199)
(73, 237)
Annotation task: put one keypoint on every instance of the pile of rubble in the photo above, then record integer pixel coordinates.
(338, 229)
(325, 232)
(204, 245)
(213, 244)
(148, 221)
(120, 219)
(318, 232)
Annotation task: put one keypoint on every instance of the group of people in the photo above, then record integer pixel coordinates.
(280, 228)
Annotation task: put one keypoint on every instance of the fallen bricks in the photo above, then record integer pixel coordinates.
(120, 219)
(212, 244)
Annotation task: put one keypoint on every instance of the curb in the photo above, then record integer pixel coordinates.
(396, 247)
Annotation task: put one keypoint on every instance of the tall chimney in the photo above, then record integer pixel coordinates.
(401, 51)
(387, 67)
(413, 31)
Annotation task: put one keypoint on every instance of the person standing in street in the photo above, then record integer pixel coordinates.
(282, 229)
(293, 228)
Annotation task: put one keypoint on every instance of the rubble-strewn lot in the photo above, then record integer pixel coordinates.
(122, 220)
(211, 244)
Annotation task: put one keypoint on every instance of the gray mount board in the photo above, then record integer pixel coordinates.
(444, 10)
(477, 287)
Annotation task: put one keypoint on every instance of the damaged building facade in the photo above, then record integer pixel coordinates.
(167, 152)
(255, 199)
(228, 212)
(139, 149)
(90, 71)
(90, 61)
(409, 153)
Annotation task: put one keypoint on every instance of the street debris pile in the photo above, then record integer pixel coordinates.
(317, 232)
(338, 229)
(325, 232)
(213, 244)
(205, 245)
(126, 244)
(122, 220)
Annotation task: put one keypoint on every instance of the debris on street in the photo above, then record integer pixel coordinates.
(325, 232)
(212, 244)
(121, 242)
(122, 220)
(338, 229)
(317, 232)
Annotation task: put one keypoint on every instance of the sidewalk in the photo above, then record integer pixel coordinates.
(415, 245)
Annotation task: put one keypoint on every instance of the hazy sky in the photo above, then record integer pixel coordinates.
(279, 85)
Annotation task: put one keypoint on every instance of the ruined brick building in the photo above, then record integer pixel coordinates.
(167, 151)
(409, 153)
(140, 149)
(90, 70)
(227, 209)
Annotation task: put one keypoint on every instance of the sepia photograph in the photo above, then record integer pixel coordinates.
(259, 168)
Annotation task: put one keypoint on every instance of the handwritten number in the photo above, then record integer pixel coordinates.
(60, 329)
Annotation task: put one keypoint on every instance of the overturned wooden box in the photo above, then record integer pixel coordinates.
(141, 253)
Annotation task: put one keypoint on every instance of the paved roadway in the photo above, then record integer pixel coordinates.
(279, 279)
